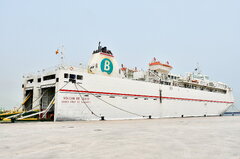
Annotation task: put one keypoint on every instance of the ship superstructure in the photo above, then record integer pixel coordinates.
(103, 90)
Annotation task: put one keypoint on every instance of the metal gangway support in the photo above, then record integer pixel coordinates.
(44, 112)
(19, 115)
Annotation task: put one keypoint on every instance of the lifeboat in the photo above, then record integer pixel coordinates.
(160, 67)
(123, 68)
(195, 81)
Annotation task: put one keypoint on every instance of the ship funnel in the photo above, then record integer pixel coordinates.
(103, 62)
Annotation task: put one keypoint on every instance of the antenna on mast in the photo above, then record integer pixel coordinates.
(99, 46)
(197, 69)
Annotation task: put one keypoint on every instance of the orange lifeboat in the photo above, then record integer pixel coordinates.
(195, 81)
(123, 68)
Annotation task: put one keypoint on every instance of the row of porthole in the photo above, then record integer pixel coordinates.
(98, 96)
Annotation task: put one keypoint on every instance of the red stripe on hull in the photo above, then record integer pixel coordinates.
(135, 95)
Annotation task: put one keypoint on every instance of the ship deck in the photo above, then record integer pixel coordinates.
(209, 137)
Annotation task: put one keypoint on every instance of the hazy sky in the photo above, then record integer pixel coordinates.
(183, 32)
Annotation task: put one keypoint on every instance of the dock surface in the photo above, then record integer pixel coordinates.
(175, 138)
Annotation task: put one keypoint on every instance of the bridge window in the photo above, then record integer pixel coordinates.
(79, 77)
(72, 76)
(65, 75)
(49, 77)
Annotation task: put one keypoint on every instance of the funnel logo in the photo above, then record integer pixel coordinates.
(107, 66)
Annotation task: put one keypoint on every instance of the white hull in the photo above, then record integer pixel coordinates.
(143, 98)
(103, 90)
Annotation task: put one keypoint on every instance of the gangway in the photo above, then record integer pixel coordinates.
(28, 116)
(41, 112)
(17, 117)
(20, 115)
(17, 113)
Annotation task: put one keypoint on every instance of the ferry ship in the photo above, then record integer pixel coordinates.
(103, 90)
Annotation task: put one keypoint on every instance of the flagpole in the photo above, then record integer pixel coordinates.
(62, 55)
(61, 51)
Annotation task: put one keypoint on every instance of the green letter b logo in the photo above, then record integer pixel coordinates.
(106, 66)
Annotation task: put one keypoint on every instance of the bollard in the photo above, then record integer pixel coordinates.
(102, 118)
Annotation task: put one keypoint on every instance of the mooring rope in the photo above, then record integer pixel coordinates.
(35, 99)
(233, 106)
(53, 99)
(86, 103)
(113, 105)
(15, 116)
